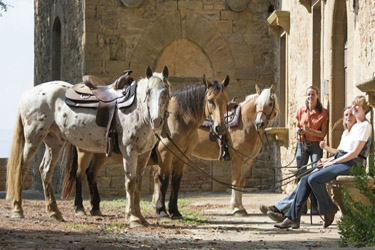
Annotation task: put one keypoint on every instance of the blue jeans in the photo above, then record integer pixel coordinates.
(315, 153)
(315, 182)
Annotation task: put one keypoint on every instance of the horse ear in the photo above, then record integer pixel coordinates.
(165, 72)
(272, 89)
(226, 81)
(148, 72)
(257, 89)
(204, 79)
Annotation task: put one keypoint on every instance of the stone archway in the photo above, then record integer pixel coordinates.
(338, 75)
(187, 29)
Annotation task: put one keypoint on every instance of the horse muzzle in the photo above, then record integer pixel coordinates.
(156, 123)
(259, 125)
(220, 129)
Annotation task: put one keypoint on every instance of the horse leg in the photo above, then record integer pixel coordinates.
(142, 161)
(30, 148)
(91, 173)
(130, 167)
(50, 158)
(242, 184)
(176, 183)
(236, 198)
(82, 161)
(161, 186)
(156, 194)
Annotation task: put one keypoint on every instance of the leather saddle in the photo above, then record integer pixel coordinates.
(88, 94)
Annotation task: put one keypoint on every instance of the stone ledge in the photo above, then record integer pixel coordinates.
(368, 86)
(279, 20)
(280, 134)
(348, 182)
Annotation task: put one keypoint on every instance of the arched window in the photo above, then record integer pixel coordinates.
(56, 49)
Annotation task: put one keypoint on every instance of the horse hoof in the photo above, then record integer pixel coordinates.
(177, 216)
(135, 224)
(240, 213)
(56, 216)
(80, 213)
(163, 215)
(16, 215)
(96, 213)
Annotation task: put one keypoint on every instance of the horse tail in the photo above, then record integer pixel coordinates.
(70, 167)
(14, 165)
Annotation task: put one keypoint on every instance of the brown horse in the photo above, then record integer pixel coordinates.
(257, 112)
(187, 110)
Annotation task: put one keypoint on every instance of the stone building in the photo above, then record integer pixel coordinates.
(191, 37)
(327, 44)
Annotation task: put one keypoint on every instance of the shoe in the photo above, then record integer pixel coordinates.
(287, 223)
(264, 209)
(276, 216)
(330, 217)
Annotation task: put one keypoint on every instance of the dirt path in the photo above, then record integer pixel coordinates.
(208, 225)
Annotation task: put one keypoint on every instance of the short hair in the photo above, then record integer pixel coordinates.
(361, 100)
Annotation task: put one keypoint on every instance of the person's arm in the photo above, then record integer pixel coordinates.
(317, 133)
(323, 145)
(348, 156)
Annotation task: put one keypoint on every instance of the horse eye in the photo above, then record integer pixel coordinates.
(210, 101)
(270, 104)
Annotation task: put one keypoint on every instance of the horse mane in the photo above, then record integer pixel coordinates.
(191, 100)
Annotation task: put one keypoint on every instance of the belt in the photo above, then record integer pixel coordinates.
(311, 143)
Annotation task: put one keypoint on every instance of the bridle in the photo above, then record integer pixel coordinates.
(268, 116)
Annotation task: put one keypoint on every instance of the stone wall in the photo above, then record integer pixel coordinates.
(191, 37)
(71, 60)
(3, 176)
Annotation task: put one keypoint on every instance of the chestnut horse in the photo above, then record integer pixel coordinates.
(187, 110)
(257, 112)
(44, 116)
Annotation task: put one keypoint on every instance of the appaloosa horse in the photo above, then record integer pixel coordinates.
(255, 114)
(44, 116)
(187, 110)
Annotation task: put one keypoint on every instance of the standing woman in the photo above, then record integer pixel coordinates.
(353, 150)
(312, 123)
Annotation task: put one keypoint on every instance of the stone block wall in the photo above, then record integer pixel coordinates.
(191, 37)
(3, 176)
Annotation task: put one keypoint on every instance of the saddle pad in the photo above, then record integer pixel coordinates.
(231, 118)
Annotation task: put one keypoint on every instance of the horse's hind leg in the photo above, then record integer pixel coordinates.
(30, 148)
(50, 158)
(91, 173)
(83, 159)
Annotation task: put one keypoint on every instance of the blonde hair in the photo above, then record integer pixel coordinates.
(361, 101)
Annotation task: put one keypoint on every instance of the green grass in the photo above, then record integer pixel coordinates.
(114, 226)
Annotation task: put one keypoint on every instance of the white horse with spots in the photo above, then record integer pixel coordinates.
(43, 116)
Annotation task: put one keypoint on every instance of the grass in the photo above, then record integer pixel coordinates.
(80, 226)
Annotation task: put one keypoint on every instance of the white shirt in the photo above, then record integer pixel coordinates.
(361, 131)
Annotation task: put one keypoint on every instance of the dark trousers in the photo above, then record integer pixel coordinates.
(315, 183)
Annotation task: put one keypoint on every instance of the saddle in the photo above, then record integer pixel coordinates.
(88, 94)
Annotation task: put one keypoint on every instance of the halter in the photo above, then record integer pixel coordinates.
(270, 114)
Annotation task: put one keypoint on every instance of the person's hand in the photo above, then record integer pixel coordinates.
(300, 131)
(322, 144)
(324, 164)
(306, 128)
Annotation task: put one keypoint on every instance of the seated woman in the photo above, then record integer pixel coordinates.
(277, 212)
(352, 151)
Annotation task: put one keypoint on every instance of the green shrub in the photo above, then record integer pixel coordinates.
(357, 227)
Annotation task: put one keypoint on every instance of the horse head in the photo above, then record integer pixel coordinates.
(267, 107)
(157, 96)
(216, 103)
